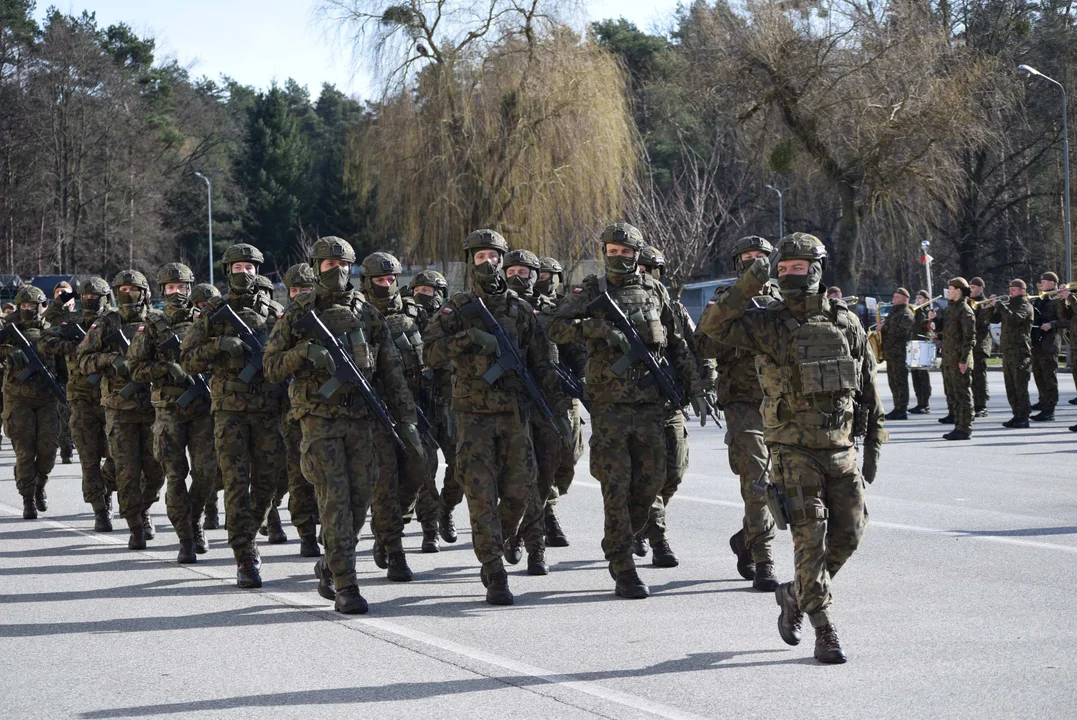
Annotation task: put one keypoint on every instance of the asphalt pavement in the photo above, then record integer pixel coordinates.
(958, 604)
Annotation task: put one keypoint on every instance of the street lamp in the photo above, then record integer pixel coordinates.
(781, 217)
(209, 216)
(1027, 71)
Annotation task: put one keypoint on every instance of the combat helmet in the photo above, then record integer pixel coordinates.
(380, 264)
(241, 252)
(551, 285)
(750, 242)
(330, 248)
(299, 275)
(131, 277)
(528, 259)
(432, 278)
(484, 240)
(29, 294)
(94, 286)
(173, 273)
(203, 292)
(263, 284)
(623, 234)
(803, 246)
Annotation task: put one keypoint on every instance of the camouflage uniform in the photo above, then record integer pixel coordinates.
(67, 446)
(1046, 344)
(246, 415)
(958, 340)
(84, 399)
(921, 379)
(178, 431)
(200, 295)
(339, 448)
(1016, 316)
(628, 414)
(128, 420)
(30, 416)
(981, 351)
(897, 330)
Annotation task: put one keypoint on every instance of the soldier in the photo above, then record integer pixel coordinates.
(184, 425)
(246, 414)
(495, 459)
(958, 339)
(628, 411)
(302, 503)
(1046, 344)
(201, 294)
(551, 279)
(339, 447)
(1016, 317)
(982, 349)
(30, 416)
(401, 474)
(923, 329)
(63, 297)
(818, 377)
(833, 292)
(897, 329)
(739, 396)
(84, 396)
(652, 262)
(129, 411)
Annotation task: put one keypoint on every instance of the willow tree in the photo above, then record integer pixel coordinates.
(495, 115)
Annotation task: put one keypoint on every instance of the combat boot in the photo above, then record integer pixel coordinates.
(308, 546)
(1037, 406)
(827, 646)
(447, 526)
(350, 602)
(957, 435)
(1044, 416)
(147, 526)
(1016, 424)
(137, 541)
(745, 566)
(897, 414)
(398, 568)
(921, 410)
(29, 509)
(628, 584)
(41, 499)
(536, 562)
(430, 539)
(212, 521)
(497, 588)
(982, 413)
(764, 577)
(326, 587)
(555, 536)
(276, 533)
(248, 567)
(102, 519)
(948, 420)
(662, 555)
(514, 549)
(200, 545)
(1073, 401)
(639, 546)
(1073, 428)
(186, 554)
(791, 618)
(381, 558)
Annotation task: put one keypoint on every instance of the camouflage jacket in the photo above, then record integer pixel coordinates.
(405, 320)
(363, 331)
(644, 300)
(1046, 342)
(1016, 317)
(100, 350)
(1067, 312)
(34, 388)
(983, 329)
(60, 340)
(446, 341)
(572, 355)
(737, 379)
(150, 363)
(923, 328)
(958, 332)
(897, 330)
(201, 352)
(791, 417)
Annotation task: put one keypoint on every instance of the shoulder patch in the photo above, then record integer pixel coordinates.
(446, 310)
(141, 329)
(709, 303)
(577, 290)
(93, 326)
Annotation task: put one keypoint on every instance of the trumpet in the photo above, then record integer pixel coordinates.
(977, 303)
(1072, 287)
(922, 305)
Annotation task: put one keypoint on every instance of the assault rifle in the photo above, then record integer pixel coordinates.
(570, 383)
(199, 388)
(11, 333)
(74, 331)
(254, 363)
(132, 388)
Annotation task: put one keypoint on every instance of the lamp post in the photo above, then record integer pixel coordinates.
(781, 217)
(1028, 71)
(209, 217)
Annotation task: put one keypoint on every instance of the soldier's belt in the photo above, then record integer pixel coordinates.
(230, 386)
(172, 391)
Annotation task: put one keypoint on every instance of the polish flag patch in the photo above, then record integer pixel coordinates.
(141, 328)
(577, 290)
(446, 311)
(709, 303)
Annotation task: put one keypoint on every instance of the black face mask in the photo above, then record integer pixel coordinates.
(241, 283)
(383, 292)
(27, 316)
(430, 303)
(93, 306)
(796, 286)
(335, 279)
(522, 285)
(488, 276)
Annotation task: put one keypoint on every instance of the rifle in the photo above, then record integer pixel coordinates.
(347, 372)
(570, 383)
(199, 388)
(131, 388)
(254, 365)
(76, 333)
(508, 359)
(667, 383)
(34, 364)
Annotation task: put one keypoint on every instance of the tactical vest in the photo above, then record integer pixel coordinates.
(469, 391)
(351, 324)
(34, 387)
(113, 385)
(405, 334)
(643, 308)
(809, 391)
(163, 330)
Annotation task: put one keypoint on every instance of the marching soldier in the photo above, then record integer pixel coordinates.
(818, 377)
(923, 329)
(739, 395)
(184, 425)
(981, 351)
(628, 410)
(1016, 317)
(339, 445)
(84, 396)
(246, 408)
(958, 339)
(1046, 344)
(30, 415)
(129, 411)
(495, 459)
(201, 294)
(1067, 312)
(897, 330)
(64, 297)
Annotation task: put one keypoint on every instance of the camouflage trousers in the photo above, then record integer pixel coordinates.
(566, 469)
(1045, 372)
(1016, 371)
(139, 476)
(748, 459)
(676, 466)
(88, 432)
(897, 376)
(958, 387)
(980, 394)
(249, 453)
(628, 458)
(495, 463)
(548, 451)
(302, 502)
(31, 426)
(339, 460)
(177, 435)
(402, 474)
(452, 492)
(921, 385)
(67, 446)
(829, 515)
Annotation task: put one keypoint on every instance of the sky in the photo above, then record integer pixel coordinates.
(259, 41)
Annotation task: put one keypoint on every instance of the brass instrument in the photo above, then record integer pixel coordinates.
(922, 305)
(1072, 287)
(850, 300)
(875, 337)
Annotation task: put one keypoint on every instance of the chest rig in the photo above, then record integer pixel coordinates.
(350, 324)
(403, 327)
(642, 305)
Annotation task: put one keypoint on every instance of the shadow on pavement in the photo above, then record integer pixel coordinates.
(1029, 532)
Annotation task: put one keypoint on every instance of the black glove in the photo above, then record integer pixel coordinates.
(871, 461)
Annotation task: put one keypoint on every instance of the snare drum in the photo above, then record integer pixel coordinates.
(920, 354)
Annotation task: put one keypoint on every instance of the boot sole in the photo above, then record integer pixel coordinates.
(429, 549)
(187, 560)
(537, 570)
(787, 639)
(248, 584)
(665, 563)
(633, 595)
(556, 542)
(501, 601)
(746, 572)
(831, 660)
(357, 610)
(401, 578)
